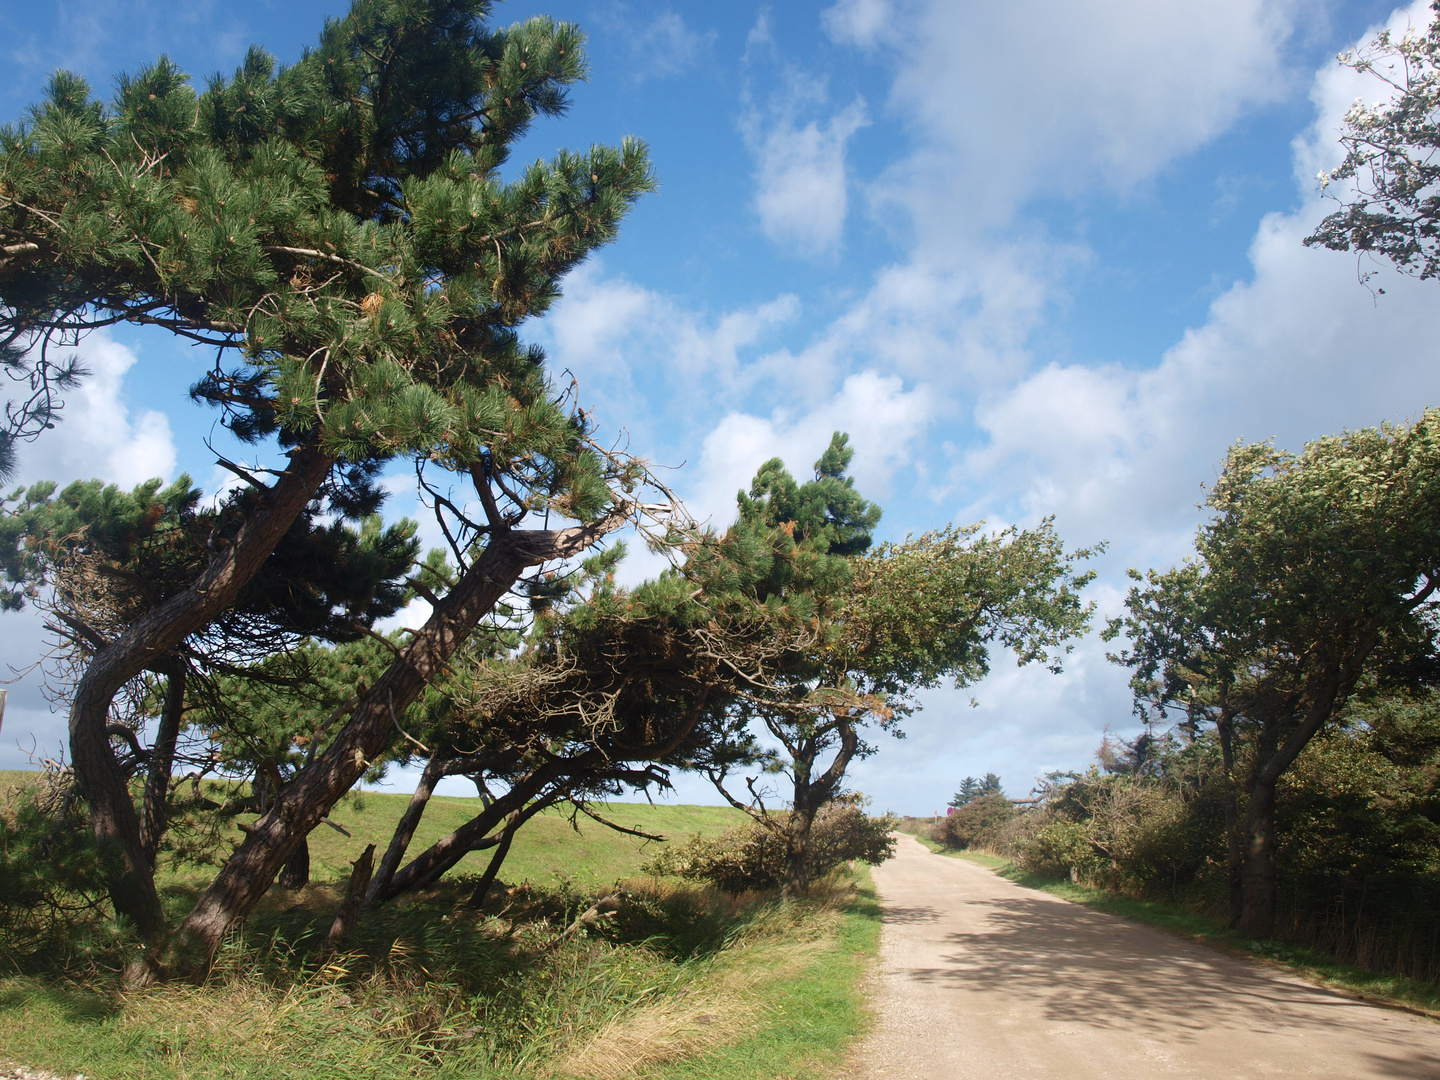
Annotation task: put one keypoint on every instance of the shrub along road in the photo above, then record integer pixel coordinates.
(980, 977)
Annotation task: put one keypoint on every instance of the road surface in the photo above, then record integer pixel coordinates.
(980, 978)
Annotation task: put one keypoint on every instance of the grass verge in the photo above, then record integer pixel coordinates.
(682, 982)
(1309, 964)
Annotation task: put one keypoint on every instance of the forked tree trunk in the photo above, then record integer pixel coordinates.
(810, 796)
(443, 855)
(143, 644)
(309, 796)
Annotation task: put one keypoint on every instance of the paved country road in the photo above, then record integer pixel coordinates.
(980, 978)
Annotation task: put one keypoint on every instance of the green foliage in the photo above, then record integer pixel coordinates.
(52, 871)
(1358, 819)
(338, 228)
(752, 856)
(112, 555)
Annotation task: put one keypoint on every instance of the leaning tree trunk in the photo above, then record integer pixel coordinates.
(443, 855)
(492, 869)
(405, 829)
(308, 797)
(144, 643)
(155, 812)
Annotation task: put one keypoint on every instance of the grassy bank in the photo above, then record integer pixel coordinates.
(681, 981)
(1310, 964)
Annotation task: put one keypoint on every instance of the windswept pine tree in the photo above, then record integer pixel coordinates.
(344, 238)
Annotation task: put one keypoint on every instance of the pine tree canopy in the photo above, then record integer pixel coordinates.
(339, 230)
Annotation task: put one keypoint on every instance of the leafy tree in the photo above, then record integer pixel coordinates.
(340, 233)
(892, 621)
(1387, 181)
(1316, 573)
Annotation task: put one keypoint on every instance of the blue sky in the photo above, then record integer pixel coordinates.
(1037, 258)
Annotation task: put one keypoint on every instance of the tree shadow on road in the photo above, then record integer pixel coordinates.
(1080, 966)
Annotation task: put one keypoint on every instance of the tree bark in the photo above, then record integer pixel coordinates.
(1234, 841)
(144, 643)
(349, 912)
(296, 872)
(432, 863)
(309, 796)
(797, 827)
(155, 816)
(1257, 915)
(810, 796)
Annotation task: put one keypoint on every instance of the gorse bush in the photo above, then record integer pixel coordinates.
(752, 857)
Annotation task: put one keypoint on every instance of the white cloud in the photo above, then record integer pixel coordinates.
(801, 184)
(98, 435)
(885, 423)
(1009, 101)
(630, 346)
(663, 44)
(801, 187)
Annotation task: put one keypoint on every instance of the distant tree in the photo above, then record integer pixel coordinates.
(1387, 182)
(969, 789)
(340, 234)
(972, 789)
(1316, 573)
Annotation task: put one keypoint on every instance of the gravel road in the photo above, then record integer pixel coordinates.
(980, 978)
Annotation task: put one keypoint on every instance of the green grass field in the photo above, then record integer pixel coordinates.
(547, 849)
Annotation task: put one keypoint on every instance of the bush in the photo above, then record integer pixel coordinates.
(753, 856)
(52, 870)
(969, 823)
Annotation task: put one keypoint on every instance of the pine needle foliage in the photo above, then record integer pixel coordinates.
(339, 230)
